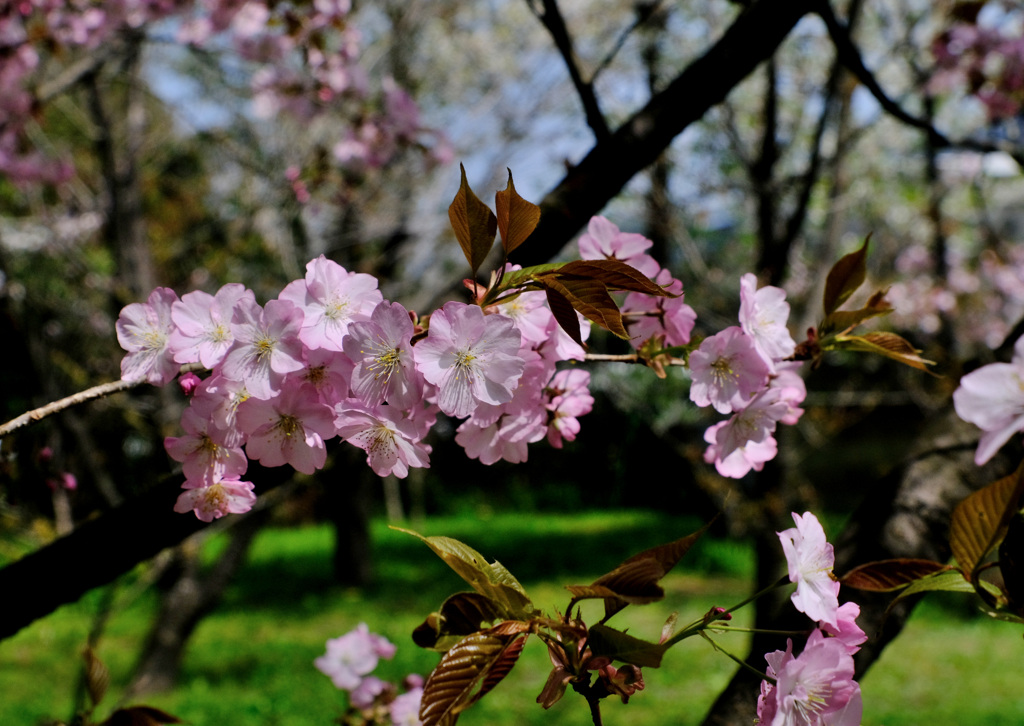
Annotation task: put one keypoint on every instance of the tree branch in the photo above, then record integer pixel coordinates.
(551, 17)
(851, 58)
(610, 164)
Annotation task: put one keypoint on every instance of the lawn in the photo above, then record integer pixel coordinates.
(251, 661)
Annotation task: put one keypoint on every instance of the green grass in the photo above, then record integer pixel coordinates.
(250, 661)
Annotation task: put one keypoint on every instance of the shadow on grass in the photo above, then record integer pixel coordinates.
(290, 570)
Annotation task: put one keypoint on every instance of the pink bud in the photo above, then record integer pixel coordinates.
(189, 382)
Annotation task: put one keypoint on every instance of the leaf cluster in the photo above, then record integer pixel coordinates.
(835, 331)
(581, 286)
(482, 633)
(986, 535)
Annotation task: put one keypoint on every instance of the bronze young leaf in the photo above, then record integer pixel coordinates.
(473, 222)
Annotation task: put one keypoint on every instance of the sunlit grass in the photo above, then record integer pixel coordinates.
(250, 662)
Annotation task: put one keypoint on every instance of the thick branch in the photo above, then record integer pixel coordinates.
(602, 174)
(103, 548)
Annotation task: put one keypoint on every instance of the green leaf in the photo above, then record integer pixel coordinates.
(845, 277)
(466, 672)
(517, 218)
(980, 521)
(951, 580)
(492, 581)
(615, 644)
(889, 345)
(887, 575)
(473, 222)
(845, 320)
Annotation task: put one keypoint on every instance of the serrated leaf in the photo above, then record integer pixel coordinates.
(473, 222)
(493, 581)
(980, 521)
(97, 677)
(889, 345)
(590, 298)
(887, 575)
(951, 580)
(517, 218)
(615, 274)
(459, 679)
(614, 644)
(845, 277)
(140, 716)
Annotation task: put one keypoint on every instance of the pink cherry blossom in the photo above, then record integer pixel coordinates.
(405, 709)
(391, 442)
(227, 496)
(288, 429)
(382, 353)
(472, 358)
(144, 329)
(647, 316)
(763, 316)
(750, 456)
(810, 559)
(847, 631)
(203, 451)
(353, 656)
(266, 346)
(726, 368)
(203, 324)
(752, 423)
(992, 398)
(603, 240)
(569, 399)
(815, 688)
(331, 297)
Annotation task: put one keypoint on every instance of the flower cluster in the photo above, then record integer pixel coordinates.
(330, 357)
(992, 398)
(817, 686)
(742, 371)
(349, 662)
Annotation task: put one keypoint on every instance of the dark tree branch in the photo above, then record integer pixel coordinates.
(853, 61)
(103, 548)
(550, 16)
(602, 174)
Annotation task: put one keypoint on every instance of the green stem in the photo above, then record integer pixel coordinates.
(736, 659)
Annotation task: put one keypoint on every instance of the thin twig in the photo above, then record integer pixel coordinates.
(31, 417)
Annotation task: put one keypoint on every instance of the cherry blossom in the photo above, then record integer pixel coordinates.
(470, 357)
(381, 350)
(266, 346)
(726, 367)
(144, 330)
(647, 316)
(352, 656)
(392, 443)
(405, 709)
(570, 398)
(603, 240)
(992, 398)
(203, 324)
(212, 501)
(763, 316)
(810, 559)
(288, 429)
(750, 456)
(331, 297)
(204, 452)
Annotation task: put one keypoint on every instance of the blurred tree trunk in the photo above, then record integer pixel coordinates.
(189, 596)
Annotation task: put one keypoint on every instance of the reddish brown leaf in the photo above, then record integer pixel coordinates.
(845, 277)
(97, 677)
(980, 521)
(590, 298)
(456, 682)
(473, 222)
(565, 314)
(1011, 563)
(615, 274)
(886, 575)
(517, 218)
(615, 644)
